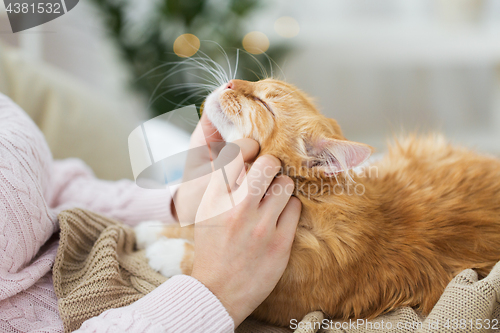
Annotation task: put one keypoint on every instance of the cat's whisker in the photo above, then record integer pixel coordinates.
(203, 89)
(219, 69)
(176, 63)
(172, 72)
(190, 63)
(224, 53)
(207, 82)
(188, 98)
(194, 85)
(212, 84)
(253, 72)
(213, 75)
(194, 92)
(204, 64)
(227, 60)
(236, 65)
(270, 64)
(182, 92)
(211, 135)
(276, 64)
(216, 72)
(262, 68)
(224, 114)
(196, 63)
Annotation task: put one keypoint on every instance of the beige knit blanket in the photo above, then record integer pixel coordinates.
(97, 268)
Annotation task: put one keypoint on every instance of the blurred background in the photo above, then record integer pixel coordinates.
(377, 66)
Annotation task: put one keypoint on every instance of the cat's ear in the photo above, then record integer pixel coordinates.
(334, 156)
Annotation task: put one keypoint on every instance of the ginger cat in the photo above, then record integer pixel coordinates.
(370, 244)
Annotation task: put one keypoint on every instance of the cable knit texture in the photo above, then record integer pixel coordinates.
(97, 268)
(33, 190)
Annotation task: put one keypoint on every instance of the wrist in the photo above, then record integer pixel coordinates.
(228, 298)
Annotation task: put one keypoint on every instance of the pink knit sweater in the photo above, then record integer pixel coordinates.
(33, 190)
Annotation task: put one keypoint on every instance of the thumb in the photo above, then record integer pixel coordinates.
(249, 148)
(231, 159)
(211, 133)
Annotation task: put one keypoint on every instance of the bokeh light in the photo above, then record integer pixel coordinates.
(186, 45)
(255, 42)
(287, 27)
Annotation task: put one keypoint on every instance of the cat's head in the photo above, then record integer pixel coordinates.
(286, 124)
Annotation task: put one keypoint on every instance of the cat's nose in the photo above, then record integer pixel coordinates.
(230, 85)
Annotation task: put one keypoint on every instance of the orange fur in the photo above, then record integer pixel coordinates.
(430, 211)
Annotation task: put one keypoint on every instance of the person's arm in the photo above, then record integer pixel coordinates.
(75, 186)
(181, 304)
(239, 256)
(33, 189)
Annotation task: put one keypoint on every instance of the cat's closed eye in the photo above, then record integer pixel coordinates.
(264, 104)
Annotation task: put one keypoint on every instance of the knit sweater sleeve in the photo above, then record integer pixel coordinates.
(75, 185)
(181, 304)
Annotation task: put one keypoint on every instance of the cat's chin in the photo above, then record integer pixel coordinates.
(219, 119)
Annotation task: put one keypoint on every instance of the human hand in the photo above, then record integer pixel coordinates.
(187, 197)
(241, 254)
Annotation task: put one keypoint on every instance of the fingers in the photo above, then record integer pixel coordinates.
(230, 164)
(232, 159)
(210, 132)
(278, 195)
(249, 148)
(261, 176)
(289, 218)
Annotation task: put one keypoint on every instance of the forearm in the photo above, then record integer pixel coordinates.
(182, 304)
(122, 200)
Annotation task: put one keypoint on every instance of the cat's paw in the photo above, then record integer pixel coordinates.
(166, 256)
(146, 233)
